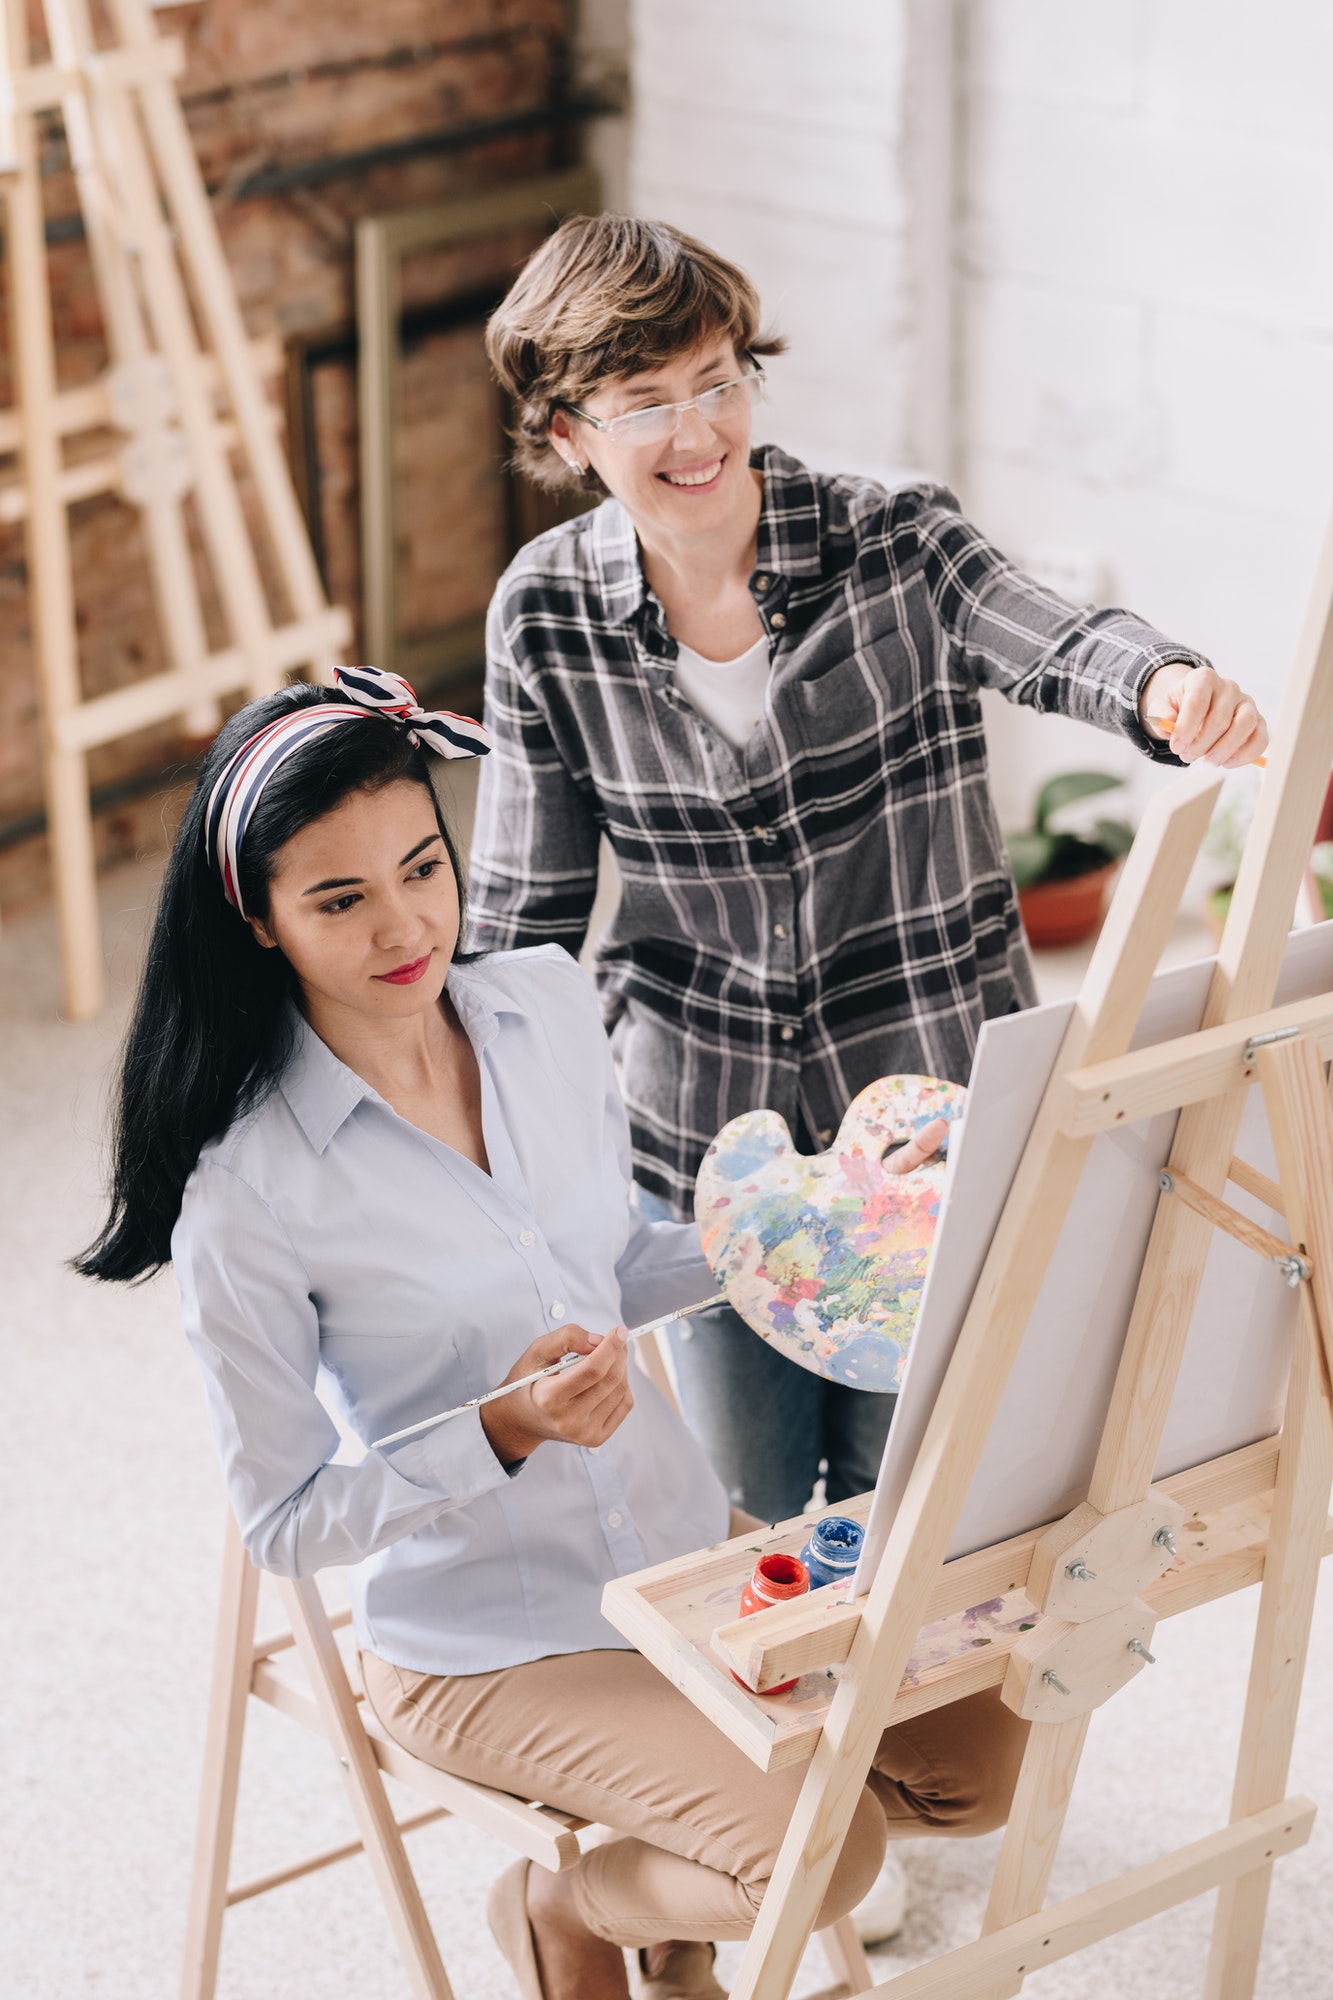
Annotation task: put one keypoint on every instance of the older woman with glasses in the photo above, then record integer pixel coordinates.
(762, 684)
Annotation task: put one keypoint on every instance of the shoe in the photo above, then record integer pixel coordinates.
(880, 1915)
(507, 1915)
(686, 1975)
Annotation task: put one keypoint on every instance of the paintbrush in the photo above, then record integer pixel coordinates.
(1168, 723)
(555, 1368)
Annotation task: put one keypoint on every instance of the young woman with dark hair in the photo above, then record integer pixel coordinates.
(213, 1025)
(398, 1175)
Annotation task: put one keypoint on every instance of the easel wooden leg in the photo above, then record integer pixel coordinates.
(201, 248)
(32, 345)
(380, 1835)
(1298, 1109)
(234, 563)
(175, 590)
(1036, 1821)
(1286, 1605)
(233, 1663)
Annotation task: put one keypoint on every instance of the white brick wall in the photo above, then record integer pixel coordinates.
(1145, 307)
(1140, 348)
(779, 132)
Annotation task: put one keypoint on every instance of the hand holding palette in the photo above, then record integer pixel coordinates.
(825, 1257)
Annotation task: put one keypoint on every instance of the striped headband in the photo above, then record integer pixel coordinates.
(240, 787)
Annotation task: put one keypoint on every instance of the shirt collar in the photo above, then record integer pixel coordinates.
(322, 1092)
(790, 522)
(788, 542)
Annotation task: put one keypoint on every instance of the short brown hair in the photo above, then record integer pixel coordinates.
(606, 296)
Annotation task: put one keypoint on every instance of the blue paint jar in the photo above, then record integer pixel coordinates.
(832, 1551)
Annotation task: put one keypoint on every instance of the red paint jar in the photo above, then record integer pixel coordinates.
(776, 1578)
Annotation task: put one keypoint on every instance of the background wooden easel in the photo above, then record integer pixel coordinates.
(1266, 1506)
(184, 391)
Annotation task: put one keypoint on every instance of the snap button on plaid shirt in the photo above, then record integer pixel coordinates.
(831, 904)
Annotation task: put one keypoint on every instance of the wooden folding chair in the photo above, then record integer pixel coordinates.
(329, 1702)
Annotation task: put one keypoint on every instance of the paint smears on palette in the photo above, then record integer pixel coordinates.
(825, 1257)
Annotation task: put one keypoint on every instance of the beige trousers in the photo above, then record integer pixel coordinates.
(605, 1736)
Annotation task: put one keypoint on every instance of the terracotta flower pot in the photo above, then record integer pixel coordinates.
(1067, 912)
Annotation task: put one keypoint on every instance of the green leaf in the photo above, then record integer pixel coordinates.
(1071, 785)
(1115, 835)
(1029, 856)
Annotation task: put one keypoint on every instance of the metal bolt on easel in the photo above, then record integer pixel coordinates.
(1137, 1646)
(1052, 1680)
(1165, 1539)
(1080, 1572)
(1255, 1042)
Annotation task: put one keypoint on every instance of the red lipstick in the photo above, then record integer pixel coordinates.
(405, 975)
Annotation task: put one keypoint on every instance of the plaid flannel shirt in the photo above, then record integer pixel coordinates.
(832, 903)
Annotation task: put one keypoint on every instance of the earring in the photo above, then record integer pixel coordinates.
(576, 465)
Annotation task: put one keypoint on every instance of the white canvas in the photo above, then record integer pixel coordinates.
(1038, 1460)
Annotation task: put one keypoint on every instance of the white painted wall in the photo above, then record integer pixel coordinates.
(1145, 314)
(1107, 233)
(793, 138)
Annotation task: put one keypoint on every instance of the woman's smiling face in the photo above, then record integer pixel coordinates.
(364, 905)
(694, 481)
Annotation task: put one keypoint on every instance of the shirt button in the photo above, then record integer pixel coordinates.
(527, 1237)
(762, 582)
(788, 1033)
(557, 1309)
(779, 930)
(615, 1520)
(778, 620)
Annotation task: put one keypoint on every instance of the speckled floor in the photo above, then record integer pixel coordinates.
(113, 1514)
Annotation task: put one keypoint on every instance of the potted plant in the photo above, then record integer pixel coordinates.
(1062, 877)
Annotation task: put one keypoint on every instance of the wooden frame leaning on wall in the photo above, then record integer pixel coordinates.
(382, 244)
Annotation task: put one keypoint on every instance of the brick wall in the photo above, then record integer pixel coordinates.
(307, 115)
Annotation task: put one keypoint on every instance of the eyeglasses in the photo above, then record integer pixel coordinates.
(660, 420)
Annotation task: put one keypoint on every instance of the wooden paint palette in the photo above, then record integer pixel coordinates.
(825, 1257)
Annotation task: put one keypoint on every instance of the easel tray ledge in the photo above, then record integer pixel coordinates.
(675, 1612)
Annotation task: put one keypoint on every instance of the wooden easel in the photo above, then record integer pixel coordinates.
(177, 345)
(1264, 1508)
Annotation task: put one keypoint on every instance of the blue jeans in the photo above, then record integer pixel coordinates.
(766, 1424)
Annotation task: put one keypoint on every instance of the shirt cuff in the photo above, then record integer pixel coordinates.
(455, 1459)
(1153, 658)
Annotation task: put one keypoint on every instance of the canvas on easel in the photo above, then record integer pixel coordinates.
(181, 410)
(1071, 1603)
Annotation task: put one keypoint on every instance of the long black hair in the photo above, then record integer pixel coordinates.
(212, 1026)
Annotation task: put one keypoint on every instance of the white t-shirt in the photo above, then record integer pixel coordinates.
(727, 693)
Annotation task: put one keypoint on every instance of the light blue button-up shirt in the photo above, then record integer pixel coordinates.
(324, 1238)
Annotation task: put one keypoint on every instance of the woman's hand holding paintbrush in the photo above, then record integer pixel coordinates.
(579, 1400)
(588, 1405)
(1203, 716)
